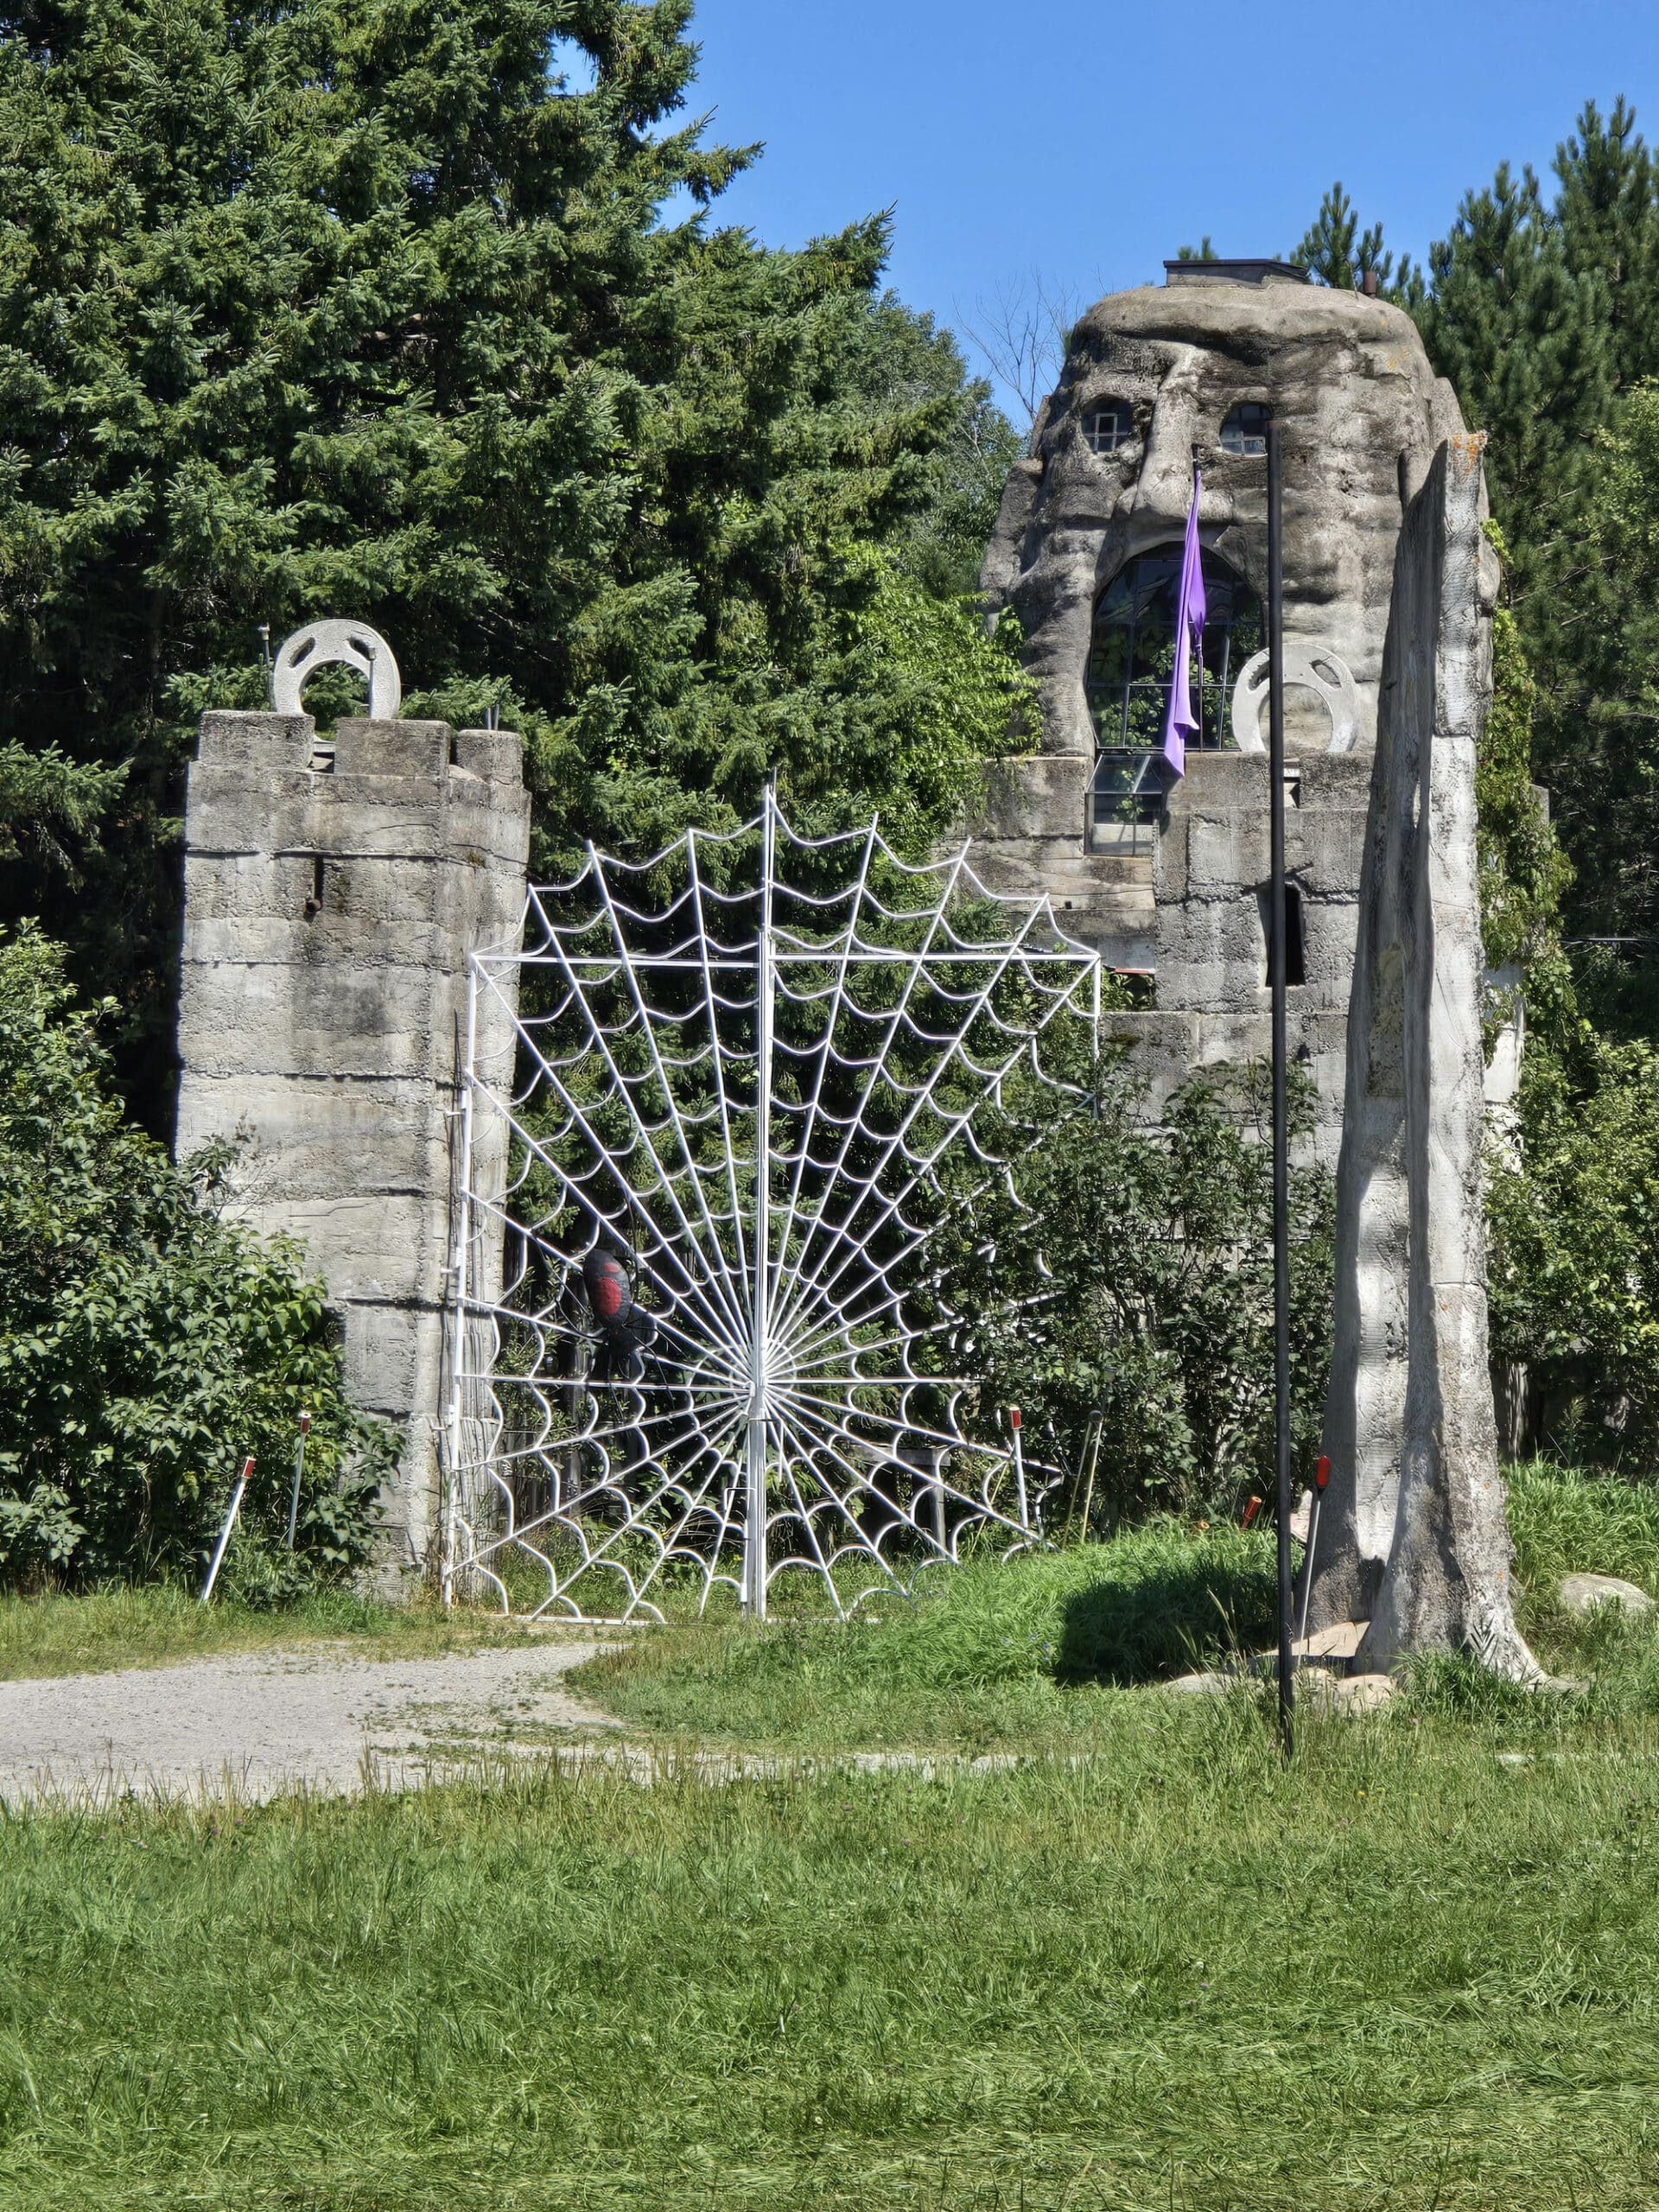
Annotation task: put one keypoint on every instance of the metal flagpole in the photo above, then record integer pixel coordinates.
(1280, 1133)
(754, 1534)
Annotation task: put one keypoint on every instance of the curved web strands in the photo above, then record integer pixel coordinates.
(698, 1343)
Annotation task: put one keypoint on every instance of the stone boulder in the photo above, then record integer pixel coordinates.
(1583, 1593)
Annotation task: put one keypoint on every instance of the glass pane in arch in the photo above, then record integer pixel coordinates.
(1132, 649)
(1245, 430)
(1108, 425)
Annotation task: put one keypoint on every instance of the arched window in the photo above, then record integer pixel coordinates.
(1108, 424)
(1132, 653)
(1245, 430)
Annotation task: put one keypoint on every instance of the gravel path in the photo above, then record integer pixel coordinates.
(261, 1722)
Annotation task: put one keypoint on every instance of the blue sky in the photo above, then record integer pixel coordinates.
(1085, 143)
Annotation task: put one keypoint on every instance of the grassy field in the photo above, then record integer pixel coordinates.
(1417, 1969)
(1033, 1660)
(157, 1626)
(1030, 1657)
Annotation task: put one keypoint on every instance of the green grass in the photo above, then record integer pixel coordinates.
(1565, 1522)
(155, 1626)
(995, 1657)
(1417, 1968)
(1401, 1973)
(1154, 1603)
(1032, 1656)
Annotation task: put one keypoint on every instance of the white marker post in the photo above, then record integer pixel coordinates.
(223, 1544)
(299, 1469)
(1321, 1477)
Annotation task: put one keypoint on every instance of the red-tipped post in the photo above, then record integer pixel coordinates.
(1321, 1477)
(1018, 1467)
(223, 1545)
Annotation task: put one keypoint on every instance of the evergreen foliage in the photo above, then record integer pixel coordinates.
(1573, 1201)
(1523, 872)
(366, 309)
(1544, 313)
(1542, 308)
(146, 1343)
(1336, 251)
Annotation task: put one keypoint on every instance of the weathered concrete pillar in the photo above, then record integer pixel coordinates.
(1414, 1537)
(332, 892)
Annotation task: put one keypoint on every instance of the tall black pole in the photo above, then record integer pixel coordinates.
(1280, 1133)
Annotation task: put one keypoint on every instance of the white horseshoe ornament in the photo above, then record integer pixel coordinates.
(320, 644)
(1319, 671)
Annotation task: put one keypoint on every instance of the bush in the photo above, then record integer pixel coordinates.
(1132, 1271)
(1572, 1202)
(146, 1343)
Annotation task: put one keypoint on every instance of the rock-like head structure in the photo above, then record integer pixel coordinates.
(1167, 877)
(1160, 376)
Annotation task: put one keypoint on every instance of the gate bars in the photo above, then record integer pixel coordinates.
(718, 1119)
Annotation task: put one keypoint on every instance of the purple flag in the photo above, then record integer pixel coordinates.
(1189, 638)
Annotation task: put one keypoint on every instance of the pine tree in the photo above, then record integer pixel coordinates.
(1336, 251)
(358, 307)
(1607, 214)
(1545, 315)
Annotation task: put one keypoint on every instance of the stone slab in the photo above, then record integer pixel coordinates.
(326, 1019)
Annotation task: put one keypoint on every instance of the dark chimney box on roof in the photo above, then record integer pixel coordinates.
(1235, 273)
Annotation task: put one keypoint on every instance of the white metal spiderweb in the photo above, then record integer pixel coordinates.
(676, 1374)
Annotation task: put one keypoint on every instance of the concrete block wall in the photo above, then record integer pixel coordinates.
(1210, 870)
(332, 893)
(1028, 833)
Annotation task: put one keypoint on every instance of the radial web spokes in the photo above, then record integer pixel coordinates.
(698, 1351)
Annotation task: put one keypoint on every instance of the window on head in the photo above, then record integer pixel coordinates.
(1245, 430)
(1132, 650)
(1108, 424)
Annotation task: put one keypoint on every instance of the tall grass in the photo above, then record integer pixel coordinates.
(995, 1655)
(158, 1623)
(1565, 1522)
(1028, 1654)
(1401, 1973)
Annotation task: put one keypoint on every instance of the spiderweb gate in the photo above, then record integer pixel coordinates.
(699, 1340)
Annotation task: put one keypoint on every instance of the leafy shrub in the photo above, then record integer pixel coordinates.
(1126, 1277)
(1572, 1202)
(146, 1343)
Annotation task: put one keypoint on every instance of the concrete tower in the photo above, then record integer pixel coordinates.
(332, 892)
(1172, 882)
(1390, 586)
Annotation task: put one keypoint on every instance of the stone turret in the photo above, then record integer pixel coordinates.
(332, 893)
(1167, 877)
